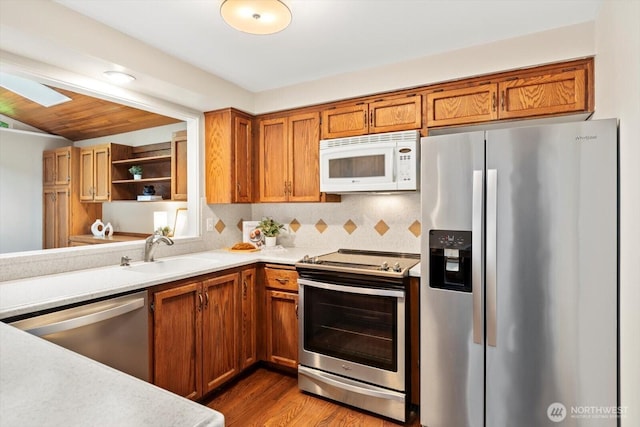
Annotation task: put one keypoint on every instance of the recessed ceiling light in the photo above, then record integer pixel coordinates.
(32, 90)
(256, 16)
(119, 77)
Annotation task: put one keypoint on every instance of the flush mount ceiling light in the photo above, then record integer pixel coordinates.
(256, 16)
(119, 77)
(31, 90)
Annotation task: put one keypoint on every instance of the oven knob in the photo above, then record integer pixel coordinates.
(396, 267)
(305, 259)
(316, 260)
(384, 266)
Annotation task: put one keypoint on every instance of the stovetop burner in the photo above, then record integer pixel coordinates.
(389, 264)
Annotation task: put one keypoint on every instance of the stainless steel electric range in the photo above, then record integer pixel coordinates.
(353, 329)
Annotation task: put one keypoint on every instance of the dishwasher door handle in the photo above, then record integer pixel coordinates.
(88, 319)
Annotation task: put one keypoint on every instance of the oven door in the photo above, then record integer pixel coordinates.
(357, 168)
(354, 332)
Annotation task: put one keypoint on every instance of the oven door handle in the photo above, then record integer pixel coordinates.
(363, 390)
(352, 289)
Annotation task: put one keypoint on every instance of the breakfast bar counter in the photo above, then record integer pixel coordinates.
(42, 384)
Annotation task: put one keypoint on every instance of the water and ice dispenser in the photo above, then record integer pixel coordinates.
(450, 260)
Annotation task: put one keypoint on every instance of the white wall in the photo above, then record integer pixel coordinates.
(618, 95)
(66, 39)
(21, 187)
(136, 138)
(561, 44)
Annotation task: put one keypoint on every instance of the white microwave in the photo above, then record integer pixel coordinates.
(370, 163)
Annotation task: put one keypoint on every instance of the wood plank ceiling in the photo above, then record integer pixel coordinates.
(81, 118)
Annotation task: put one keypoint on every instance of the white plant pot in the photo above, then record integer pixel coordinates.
(270, 241)
(137, 176)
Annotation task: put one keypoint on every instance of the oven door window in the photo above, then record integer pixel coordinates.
(354, 327)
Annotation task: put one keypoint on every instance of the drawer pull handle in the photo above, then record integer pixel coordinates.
(281, 280)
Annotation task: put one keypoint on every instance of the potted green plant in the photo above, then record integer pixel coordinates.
(136, 171)
(271, 229)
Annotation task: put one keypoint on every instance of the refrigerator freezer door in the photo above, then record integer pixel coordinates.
(555, 274)
(451, 362)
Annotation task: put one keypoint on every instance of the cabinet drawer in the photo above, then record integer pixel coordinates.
(281, 279)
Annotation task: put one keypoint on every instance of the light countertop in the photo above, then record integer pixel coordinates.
(33, 294)
(23, 296)
(42, 384)
(46, 385)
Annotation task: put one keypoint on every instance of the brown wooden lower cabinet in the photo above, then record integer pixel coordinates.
(209, 329)
(220, 327)
(177, 339)
(196, 329)
(281, 315)
(282, 328)
(248, 347)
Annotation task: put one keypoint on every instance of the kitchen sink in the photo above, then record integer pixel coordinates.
(174, 265)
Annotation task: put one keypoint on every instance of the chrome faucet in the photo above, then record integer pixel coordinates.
(152, 243)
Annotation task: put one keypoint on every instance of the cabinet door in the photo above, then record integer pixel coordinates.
(541, 95)
(102, 174)
(462, 106)
(282, 328)
(63, 166)
(63, 217)
(345, 121)
(49, 218)
(304, 157)
(86, 174)
(248, 352)
(243, 164)
(56, 217)
(272, 167)
(396, 114)
(48, 168)
(179, 166)
(177, 340)
(220, 330)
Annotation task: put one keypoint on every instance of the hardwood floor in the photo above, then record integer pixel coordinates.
(270, 398)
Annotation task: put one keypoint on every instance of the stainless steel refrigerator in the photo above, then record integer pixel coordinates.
(519, 294)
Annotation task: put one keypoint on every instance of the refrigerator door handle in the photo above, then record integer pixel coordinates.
(491, 255)
(476, 255)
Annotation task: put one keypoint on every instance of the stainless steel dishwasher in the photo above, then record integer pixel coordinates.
(113, 331)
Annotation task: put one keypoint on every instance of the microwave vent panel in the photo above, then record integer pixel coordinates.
(397, 137)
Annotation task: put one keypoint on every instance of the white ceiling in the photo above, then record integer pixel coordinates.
(327, 37)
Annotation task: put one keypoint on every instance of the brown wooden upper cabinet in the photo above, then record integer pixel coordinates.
(229, 157)
(56, 166)
(288, 167)
(95, 171)
(385, 115)
(164, 166)
(547, 93)
(179, 165)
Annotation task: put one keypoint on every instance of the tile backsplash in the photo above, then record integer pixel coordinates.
(373, 222)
